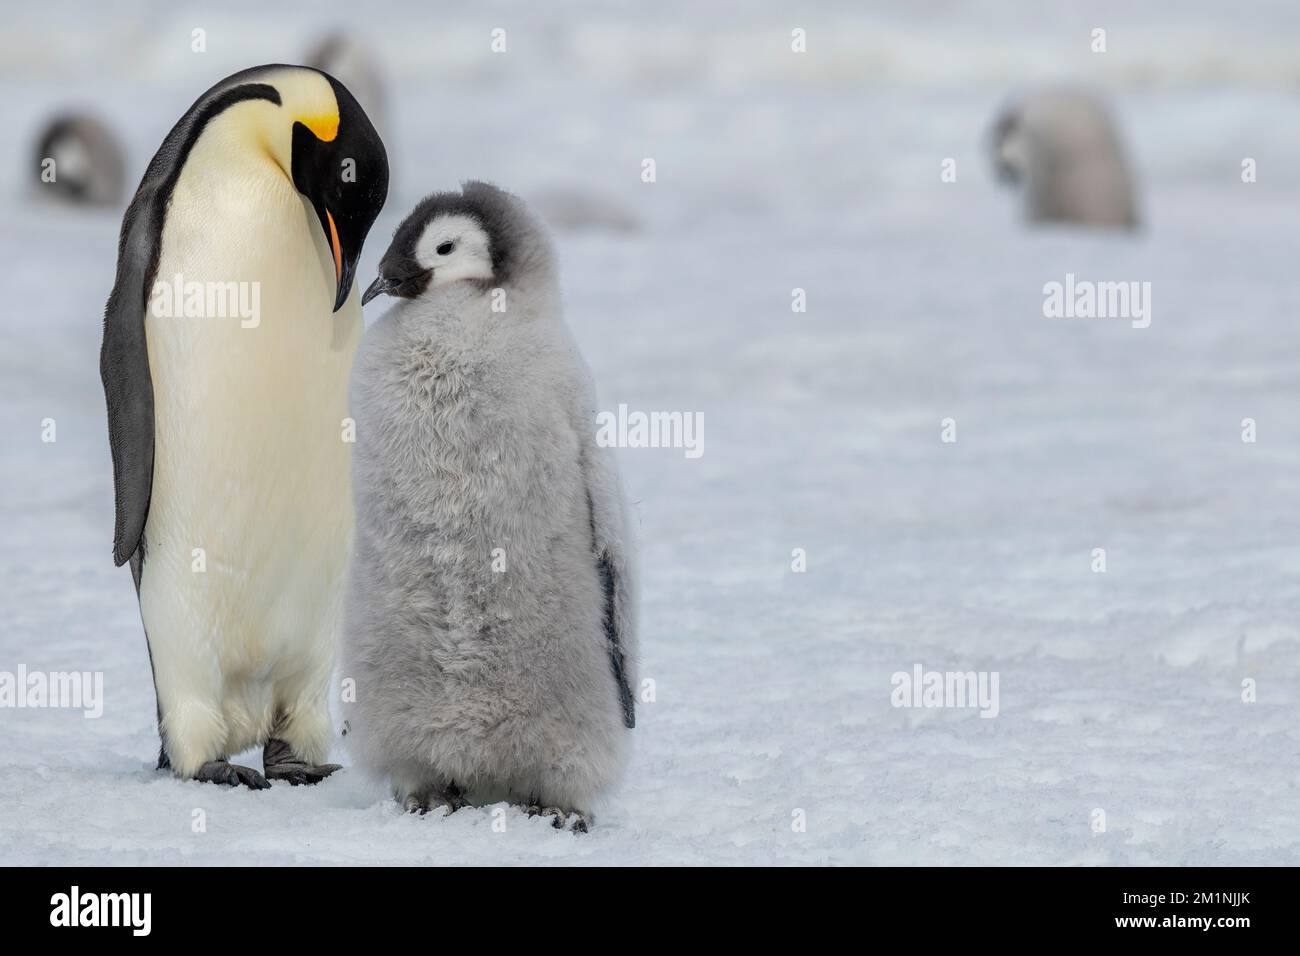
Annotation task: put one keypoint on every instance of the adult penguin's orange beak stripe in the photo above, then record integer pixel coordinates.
(344, 242)
(338, 252)
(341, 168)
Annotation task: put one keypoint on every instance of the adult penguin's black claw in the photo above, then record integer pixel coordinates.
(281, 763)
(232, 775)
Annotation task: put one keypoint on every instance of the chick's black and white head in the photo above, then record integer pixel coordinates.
(482, 234)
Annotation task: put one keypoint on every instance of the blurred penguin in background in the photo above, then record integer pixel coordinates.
(571, 208)
(79, 160)
(352, 63)
(1063, 148)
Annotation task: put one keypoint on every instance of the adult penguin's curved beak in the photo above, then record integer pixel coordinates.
(345, 263)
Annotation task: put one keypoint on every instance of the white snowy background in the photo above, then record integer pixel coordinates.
(1119, 691)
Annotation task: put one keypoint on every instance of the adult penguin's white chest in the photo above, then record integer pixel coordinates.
(250, 517)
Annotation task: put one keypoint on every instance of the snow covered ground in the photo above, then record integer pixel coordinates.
(1119, 691)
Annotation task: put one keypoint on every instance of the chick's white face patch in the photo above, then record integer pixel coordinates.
(455, 248)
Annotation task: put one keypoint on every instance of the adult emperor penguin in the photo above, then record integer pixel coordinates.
(1063, 145)
(226, 420)
(490, 622)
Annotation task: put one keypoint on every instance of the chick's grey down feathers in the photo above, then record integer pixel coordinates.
(490, 615)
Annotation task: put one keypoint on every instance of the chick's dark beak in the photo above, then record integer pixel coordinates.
(381, 286)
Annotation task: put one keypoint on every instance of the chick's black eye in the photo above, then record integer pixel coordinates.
(445, 248)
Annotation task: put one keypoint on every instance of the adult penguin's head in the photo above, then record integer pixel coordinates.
(340, 165)
(313, 128)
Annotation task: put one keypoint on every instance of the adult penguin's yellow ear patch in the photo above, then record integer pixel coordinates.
(324, 128)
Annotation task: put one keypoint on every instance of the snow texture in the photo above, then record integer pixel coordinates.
(1119, 691)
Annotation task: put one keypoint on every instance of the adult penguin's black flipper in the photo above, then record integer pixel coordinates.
(128, 387)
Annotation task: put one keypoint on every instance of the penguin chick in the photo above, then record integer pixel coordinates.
(1064, 147)
(79, 160)
(490, 615)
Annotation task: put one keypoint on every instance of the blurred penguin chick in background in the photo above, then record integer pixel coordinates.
(79, 160)
(1063, 149)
